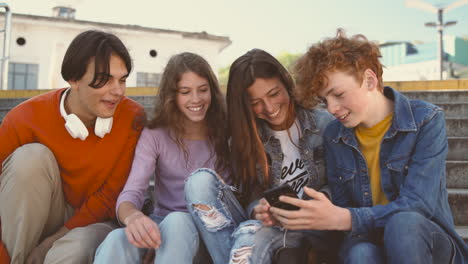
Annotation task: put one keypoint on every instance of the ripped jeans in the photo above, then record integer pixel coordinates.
(224, 226)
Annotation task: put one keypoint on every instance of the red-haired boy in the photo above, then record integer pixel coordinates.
(385, 158)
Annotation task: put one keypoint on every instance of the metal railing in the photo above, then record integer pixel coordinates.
(5, 59)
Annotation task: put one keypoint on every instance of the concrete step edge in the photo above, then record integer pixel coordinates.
(457, 161)
(457, 118)
(457, 191)
(451, 103)
(435, 91)
(462, 231)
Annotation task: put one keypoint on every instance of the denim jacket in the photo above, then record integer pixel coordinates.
(312, 124)
(412, 161)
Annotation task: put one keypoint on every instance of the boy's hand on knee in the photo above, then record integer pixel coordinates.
(38, 254)
(142, 231)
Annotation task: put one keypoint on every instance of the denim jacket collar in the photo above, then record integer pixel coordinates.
(403, 119)
(304, 117)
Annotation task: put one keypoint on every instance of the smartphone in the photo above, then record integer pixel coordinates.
(272, 196)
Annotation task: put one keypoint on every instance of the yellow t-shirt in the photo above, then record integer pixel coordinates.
(370, 140)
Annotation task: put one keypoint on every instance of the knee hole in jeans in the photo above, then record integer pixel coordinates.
(241, 255)
(213, 219)
(248, 227)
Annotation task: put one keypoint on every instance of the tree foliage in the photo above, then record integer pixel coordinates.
(285, 58)
(288, 59)
(223, 74)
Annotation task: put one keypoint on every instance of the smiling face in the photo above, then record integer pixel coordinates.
(193, 97)
(270, 101)
(87, 102)
(346, 99)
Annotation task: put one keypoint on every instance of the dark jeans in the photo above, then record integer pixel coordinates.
(408, 237)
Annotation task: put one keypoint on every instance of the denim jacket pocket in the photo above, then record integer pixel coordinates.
(341, 184)
(397, 169)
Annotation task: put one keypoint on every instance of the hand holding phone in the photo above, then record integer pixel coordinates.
(272, 196)
(262, 212)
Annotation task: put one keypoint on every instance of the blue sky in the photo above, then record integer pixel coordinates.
(273, 25)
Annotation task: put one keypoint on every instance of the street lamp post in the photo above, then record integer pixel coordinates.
(440, 25)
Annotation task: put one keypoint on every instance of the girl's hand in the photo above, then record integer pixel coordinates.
(262, 212)
(141, 231)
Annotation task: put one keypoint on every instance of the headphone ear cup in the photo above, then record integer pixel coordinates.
(103, 126)
(75, 127)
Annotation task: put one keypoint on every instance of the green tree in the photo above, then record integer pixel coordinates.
(285, 58)
(288, 59)
(223, 74)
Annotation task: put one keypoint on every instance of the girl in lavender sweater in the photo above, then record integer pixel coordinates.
(187, 132)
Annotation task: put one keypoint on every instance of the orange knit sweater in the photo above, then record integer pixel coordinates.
(93, 171)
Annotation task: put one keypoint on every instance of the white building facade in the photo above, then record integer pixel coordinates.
(405, 61)
(38, 45)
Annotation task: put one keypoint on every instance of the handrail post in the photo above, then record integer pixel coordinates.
(5, 59)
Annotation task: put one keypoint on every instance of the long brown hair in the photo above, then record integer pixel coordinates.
(247, 151)
(167, 114)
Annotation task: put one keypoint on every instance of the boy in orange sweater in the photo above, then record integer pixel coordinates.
(66, 155)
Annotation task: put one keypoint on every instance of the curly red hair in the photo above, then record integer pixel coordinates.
(351, 55)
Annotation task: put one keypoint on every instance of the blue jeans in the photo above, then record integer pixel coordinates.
(408, 237)
(179, 242)
(225, 228)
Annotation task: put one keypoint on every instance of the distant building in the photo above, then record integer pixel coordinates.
(38, 44)
(405, 61)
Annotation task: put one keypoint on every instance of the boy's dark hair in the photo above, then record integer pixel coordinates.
(352, 55)
(93, 44)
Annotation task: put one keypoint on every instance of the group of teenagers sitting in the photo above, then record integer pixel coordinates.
(363, 182)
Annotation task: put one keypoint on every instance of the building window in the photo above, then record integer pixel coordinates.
(148, 79)
(22, 76)
(64, 12)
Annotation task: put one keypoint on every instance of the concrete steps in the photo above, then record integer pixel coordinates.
(6, 104)
(3, 112)
(436, 97)
(458, 148)
(463, 232)
(455, 105)
(457, 199)
(11, 102)
(146, 101)
(456, 126)
(451, 109)
(457, 174)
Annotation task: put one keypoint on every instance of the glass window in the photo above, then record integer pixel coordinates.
(22, 76)
(66, 12)
(148, 79)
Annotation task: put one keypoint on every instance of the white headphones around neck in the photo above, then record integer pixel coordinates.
(75, 126)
